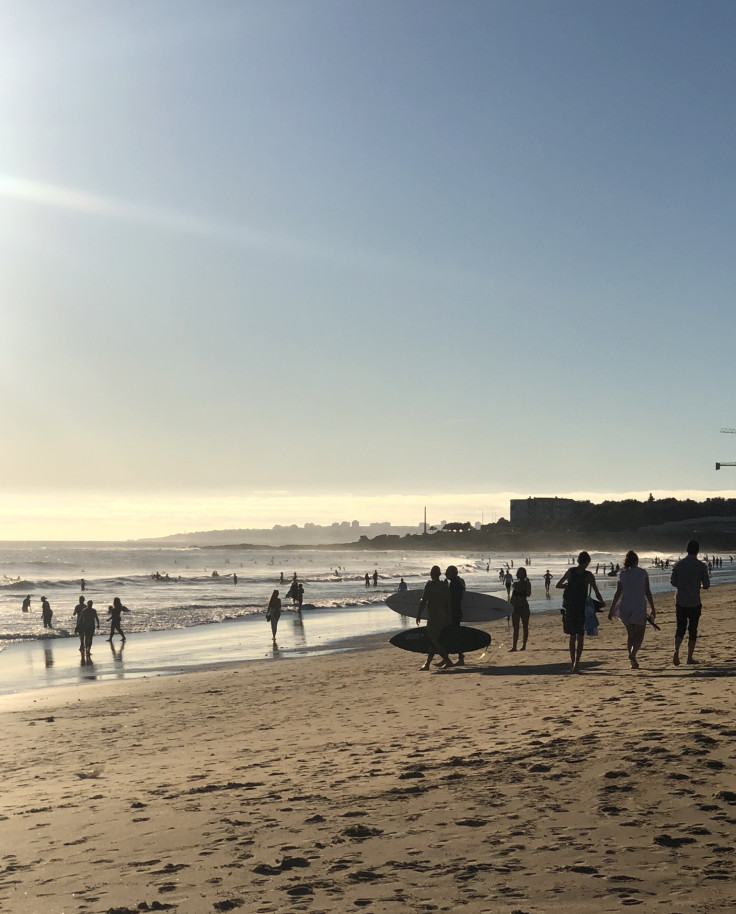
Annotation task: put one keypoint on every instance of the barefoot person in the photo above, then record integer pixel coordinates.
(436, 599)
(577, 581)
(273, 613)
(88, 622)
(457, 592)
(688, 576)
(115, 612)
(521, 590)
(630, 604)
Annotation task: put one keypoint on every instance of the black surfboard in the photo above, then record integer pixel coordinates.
(456, 640)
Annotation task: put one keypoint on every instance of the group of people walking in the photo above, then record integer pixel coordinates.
(88, 622)
(632, 604)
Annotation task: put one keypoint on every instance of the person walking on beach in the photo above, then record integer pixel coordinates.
(46, 613)
(576, 582)
(436, 599)
(299, 596)
(508, 581)
(689, 575)
(547, 582)
(457, 592)
(88, 622)
(77, 613)
(115, 612)
(26, 604)
(630, 604)
(273, 613)
(520, 593)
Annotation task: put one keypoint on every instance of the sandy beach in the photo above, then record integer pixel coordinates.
(353, 781)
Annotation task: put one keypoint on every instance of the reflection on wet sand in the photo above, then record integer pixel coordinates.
(87, 668)
(117, 659)
(300, 638)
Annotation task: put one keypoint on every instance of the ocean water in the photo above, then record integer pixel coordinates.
(334, 583)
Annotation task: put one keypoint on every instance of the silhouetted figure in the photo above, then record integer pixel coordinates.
(367, 579)
(375, 578)
(299, 596)
(46, 613)
(82, 584)
(88, 622)
(577, 582)
(273, 613)
(27, 604)
(457, 592)
(77, 613)
(403, 586)
(508, 580)
(689, 575)
(436, 600)
(235, 579)
(115, 612)
(521, 590)
(547, 582)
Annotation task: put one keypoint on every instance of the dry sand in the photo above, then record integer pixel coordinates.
(353, 781)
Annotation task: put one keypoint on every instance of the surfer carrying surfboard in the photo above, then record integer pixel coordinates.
(436, 600)
(457, 591)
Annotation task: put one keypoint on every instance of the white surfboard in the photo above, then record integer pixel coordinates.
(477, 607)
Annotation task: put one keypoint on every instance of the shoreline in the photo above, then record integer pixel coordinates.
(37, 664)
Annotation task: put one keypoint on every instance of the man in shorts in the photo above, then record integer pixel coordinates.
(688, 576)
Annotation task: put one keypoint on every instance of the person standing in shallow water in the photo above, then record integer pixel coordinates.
(88, 622)
(576, 582)
(436, 600)
(630, 604)
(46, 613)
(273, 613)
(115, 612)
(688, 576)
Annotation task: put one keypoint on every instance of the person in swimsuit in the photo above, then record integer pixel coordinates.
(520, 593)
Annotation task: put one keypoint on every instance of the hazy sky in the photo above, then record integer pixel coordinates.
(332, 253)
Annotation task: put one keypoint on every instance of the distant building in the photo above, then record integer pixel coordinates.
(546, 513)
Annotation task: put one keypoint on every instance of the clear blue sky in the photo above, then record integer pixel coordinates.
(320, 248)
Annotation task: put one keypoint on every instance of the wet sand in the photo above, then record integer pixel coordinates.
(353, 781)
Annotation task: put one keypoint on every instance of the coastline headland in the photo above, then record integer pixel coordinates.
(712, 533)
